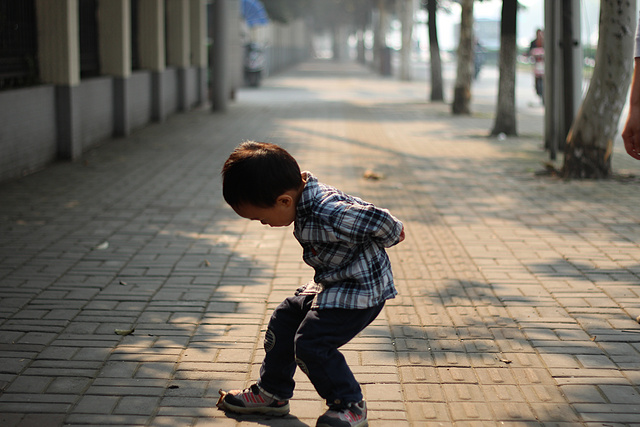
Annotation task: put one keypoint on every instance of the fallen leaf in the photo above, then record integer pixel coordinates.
(102, 246)
(124, 332)
(374, 176)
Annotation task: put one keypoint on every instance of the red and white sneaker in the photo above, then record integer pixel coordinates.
(252, 400)
(351, 415)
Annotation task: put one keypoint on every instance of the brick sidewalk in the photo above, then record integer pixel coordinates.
(518, 293)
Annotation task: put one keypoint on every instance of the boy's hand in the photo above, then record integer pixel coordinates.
(631, 132)
(401, 238)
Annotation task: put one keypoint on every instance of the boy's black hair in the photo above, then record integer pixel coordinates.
(256, 173)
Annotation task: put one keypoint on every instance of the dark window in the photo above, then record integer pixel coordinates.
(18, 44)
(88, 28)
(135, 48)
(166, 31)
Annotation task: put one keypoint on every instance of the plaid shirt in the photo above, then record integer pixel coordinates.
(343, 239)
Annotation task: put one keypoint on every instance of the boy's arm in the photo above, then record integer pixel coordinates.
(631, 131)
(359, 223)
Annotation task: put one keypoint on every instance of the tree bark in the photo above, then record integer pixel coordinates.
(505, 121)
(405, 11)
(590, 141)
(462, 90)
(437, 93)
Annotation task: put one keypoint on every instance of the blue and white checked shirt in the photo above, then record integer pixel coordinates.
(343, 239)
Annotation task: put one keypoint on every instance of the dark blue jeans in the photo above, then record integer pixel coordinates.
(300, 336)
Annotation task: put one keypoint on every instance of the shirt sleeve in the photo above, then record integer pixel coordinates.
(358, 223)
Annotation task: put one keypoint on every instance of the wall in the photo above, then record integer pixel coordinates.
(96, 109)
(30, 125)
(67, 115)
(140, 99)
(27, 130)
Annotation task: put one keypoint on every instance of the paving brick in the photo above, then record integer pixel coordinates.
(136, 405)
(32, 384)
(96, 404)
(517, 298)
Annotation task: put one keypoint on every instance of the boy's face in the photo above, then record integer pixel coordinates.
(282, 214)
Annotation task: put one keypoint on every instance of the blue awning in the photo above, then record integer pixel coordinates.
(253, 13)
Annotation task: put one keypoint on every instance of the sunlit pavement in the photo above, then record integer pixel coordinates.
(131, 293)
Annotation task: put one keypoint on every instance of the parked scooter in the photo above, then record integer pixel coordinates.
(253, 64)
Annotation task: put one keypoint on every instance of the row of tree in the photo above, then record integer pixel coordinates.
(589, 143)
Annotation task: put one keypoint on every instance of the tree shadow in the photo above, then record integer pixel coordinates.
(192, 279)
(486, 337)
(124, 277)
(286, 421)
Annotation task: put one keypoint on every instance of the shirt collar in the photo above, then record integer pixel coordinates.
(308, 194)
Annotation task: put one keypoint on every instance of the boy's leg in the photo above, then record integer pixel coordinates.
(271, 393)
(320, 335)
(279, 366)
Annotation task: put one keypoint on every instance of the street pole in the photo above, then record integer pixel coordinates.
(563, 71)
(551, 102)
(568, 69)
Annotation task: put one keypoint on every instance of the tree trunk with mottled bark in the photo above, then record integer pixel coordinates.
(505, 121)
(590, 140)
(405, 11)
(462, 89)
(437, 93)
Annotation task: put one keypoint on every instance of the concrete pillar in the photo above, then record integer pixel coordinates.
(58, 48)
(151, 48)
(59, 61)
(235, 60)
(199, 56)
(179, 46)
(220, 53)
(151, 36)
(114, 32)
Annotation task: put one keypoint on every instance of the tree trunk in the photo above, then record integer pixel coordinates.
(462, 90)
(380, 40)
(335, 42)
(405, 11)
(505, 121)
(590, 140)
(437, 93)
(363, 20)
(360, 48)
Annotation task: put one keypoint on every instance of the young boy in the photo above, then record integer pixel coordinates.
(343, 239)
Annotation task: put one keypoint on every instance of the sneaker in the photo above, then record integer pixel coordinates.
(252, 400)
(351, 415)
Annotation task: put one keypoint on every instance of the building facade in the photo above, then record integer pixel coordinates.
(104, 68)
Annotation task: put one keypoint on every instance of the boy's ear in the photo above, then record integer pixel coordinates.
(284, 200)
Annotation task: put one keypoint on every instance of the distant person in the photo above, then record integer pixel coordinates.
(536, 51)
(344, 240)
(631, 131)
